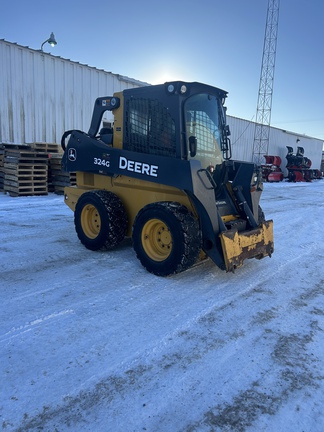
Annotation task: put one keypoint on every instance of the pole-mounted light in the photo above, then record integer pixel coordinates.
(51, 40)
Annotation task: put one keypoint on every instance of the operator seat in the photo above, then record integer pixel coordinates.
(106, 135)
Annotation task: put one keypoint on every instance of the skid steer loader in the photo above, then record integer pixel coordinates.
(163, 175)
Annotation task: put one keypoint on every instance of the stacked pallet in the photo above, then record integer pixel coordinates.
(33, 169)
(58, 179)
(54, 153)
(25, 171)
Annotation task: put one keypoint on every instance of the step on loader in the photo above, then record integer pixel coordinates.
(162, 174)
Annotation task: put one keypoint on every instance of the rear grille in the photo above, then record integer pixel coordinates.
(149, 128)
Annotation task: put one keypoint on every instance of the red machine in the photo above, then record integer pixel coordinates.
(271, 171)
(299, 167)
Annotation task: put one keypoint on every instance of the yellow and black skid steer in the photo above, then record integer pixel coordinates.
(163, 175)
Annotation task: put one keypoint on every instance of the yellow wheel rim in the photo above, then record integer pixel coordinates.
(90, 221)
(156, 240)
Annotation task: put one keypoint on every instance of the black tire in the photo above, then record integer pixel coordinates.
(166, 238)
(100, 220)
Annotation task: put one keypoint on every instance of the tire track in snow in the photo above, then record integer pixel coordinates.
(209, 334)
(18, 331)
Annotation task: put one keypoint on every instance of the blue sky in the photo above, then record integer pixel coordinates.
(212, 41)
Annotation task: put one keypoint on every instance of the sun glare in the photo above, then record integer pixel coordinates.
(159, 74)
(163, 76)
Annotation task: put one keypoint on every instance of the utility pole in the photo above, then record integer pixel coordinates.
(263, 114)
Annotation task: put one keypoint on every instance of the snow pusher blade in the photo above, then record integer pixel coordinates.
(237, 247)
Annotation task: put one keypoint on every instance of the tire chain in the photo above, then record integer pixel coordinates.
(190, 229)
(117, 218)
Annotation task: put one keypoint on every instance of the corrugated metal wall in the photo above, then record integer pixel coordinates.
(41, 95)
(242, 137)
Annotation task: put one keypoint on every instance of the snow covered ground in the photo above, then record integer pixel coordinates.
(92, 342)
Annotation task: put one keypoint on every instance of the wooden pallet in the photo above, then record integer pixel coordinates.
(25, 168)
(46, 147)
(26, 182)
(25, 171)
(25, 190)
(17, 156)
(23, 179)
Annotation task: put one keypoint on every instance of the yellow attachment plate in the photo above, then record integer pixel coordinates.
(237, 247)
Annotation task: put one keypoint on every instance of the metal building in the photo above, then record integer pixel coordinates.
(42, 95)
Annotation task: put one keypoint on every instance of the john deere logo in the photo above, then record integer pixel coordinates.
(72, 155)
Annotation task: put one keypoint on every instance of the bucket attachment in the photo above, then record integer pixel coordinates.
(257, 243)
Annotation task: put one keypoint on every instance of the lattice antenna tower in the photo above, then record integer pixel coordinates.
(263, 113)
